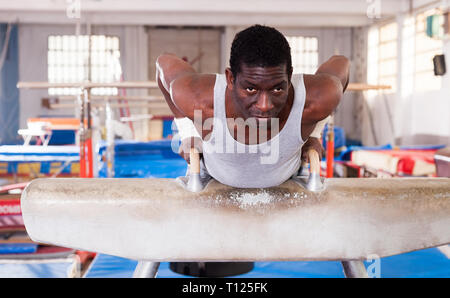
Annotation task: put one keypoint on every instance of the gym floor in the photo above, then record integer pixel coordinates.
(423, 263)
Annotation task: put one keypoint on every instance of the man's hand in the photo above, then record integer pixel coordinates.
(312, 143)
(187, 144)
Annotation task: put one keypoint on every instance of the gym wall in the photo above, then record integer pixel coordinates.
(140, 45)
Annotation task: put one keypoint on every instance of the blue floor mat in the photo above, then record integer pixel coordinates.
(50, 269)
(111, 267)
(423, 263)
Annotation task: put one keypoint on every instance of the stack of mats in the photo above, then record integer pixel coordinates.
(19, 255)
(39, 160)
(155, 159)
(402, 161)
(13, 237)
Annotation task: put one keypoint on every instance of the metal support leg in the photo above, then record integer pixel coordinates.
(354, 269)
(146, 269)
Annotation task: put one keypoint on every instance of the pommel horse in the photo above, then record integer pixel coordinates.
(344, 219)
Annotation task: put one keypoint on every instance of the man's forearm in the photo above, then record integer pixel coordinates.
(338, 66)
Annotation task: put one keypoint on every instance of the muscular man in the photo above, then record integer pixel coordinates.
(255, 119)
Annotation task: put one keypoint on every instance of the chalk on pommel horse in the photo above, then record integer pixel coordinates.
(345, 219)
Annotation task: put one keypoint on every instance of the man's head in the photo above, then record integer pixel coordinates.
(260, 71)
(260, 46)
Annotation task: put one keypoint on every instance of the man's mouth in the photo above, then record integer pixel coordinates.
(261, 117)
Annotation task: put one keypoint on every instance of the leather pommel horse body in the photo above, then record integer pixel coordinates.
(159, 220)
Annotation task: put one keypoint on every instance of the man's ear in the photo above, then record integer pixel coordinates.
(230, 78)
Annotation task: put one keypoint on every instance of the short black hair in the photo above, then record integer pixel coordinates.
(261, 46)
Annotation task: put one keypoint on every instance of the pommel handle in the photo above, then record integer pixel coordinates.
(194, 157)
(314, 161)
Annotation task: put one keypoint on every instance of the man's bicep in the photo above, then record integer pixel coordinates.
(324, 93)
(179, 91)
(332, 97)
(337, 66)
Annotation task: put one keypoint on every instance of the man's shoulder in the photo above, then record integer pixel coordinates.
(317, 82)
(323, 92)
(194, 92)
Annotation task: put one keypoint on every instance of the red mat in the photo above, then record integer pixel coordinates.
(401, 162)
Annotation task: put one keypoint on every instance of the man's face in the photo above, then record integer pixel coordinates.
(260, 92)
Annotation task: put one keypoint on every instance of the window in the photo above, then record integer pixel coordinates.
(382, 56)
(68, 62)
(387, 59)
(408, 56)
(305, 53)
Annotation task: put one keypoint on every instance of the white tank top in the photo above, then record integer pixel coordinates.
(261, 165)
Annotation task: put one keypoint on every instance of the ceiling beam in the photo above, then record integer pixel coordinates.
(230, 6)
(308, 13)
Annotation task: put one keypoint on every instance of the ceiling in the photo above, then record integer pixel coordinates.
(305, 13)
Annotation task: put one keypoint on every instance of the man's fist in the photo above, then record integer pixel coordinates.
(187, 144)
(312, 143)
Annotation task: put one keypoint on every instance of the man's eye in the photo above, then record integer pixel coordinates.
(250, 89)
(278, 89)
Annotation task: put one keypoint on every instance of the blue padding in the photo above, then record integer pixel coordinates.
(423, 263)
(14, 154)
(339, 137)
(62, 137)
(154, 159)
(51, 269)
(276, 270)
(17, 248)
(147, 168)
(111, 267)
(422, 147)
(351, 142)
(45, 167)
(167, 128)
(39, 150)
(155, 149)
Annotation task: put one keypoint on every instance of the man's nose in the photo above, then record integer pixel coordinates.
(264, 104)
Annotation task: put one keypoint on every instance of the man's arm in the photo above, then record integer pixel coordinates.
(338, 67)
(169, 68)
(184, 89)
(325, 88)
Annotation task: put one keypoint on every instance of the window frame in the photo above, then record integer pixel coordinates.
(72, 51)
(310, 67)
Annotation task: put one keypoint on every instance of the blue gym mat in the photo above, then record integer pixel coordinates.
(423, 263)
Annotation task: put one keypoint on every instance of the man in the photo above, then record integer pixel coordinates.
(278, 110)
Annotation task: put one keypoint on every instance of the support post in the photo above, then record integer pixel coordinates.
(354, 269)
(330, 147)
(146, 269)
